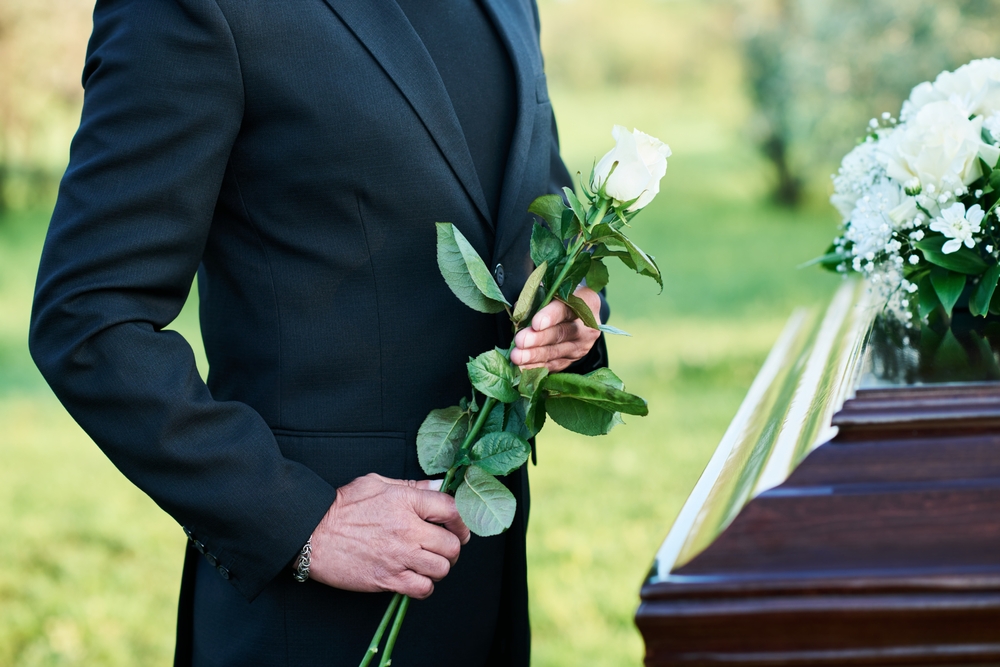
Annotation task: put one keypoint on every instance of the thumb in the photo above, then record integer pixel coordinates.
(552, 314)
(430, 484)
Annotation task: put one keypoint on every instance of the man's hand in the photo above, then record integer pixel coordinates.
(557, 337)
(380, 535)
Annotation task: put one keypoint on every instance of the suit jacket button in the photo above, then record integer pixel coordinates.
(212, 560)
(499, 274)
(187, 531)
(199, 546)
(223, 572)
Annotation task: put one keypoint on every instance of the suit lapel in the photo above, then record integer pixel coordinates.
(513, 25)
(387, 34)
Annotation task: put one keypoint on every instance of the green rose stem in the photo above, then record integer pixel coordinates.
(574, 252)
(396, 625)
(469, 440)
(377, 639)
(467, 443)
(399, 599)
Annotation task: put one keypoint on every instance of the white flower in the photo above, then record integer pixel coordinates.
(939, 146)
(958, 225)
(974, 88)
(992, 124)
(642, 162)
(859, 170)
(868, 227)
(914, 259)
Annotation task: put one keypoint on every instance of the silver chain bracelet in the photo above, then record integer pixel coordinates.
(302, 562)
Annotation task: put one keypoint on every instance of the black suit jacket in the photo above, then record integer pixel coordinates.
(295, 154)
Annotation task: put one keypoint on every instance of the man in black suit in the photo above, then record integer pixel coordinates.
(295, 155)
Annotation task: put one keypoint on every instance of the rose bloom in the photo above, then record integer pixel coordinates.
(939, 147)
(642, 162)
(973, 87)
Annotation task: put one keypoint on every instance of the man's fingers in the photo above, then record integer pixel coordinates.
(423, 485)
(440, 508)
(543, 355)
(554, 313)
(441, 541)
(554, 335)
(417, 586)
(429, 565)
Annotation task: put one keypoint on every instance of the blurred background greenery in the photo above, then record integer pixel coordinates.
(757, 98)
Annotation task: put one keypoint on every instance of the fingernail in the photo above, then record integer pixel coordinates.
(435, 484)
(544, 323)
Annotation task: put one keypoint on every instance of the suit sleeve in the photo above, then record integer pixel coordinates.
(162, 107)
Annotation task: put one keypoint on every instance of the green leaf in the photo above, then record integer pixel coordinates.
(995, 180)
(641, 263)
(948, 286)
(985, 168)
(494, 420)
(580, 417)
(599, 390)
(465, 272)
(440, 437)
(516, 419)
(550, 208)
(570, 225)
(613, 330)
(529, 294)
(597, 275)
(608, 377)
(582, 310)
(493, 375)
(995, 303)
(961, 261)
(575, 205)
(927, 300)
(500, 453)
(531, 381)
(601, 251)
(576, 274)
(546, 247)
(979, 303)
(486, 506)
(830, 261)
(603, 233)
(534, 412)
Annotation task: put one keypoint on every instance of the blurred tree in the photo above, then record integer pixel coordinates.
(817, 70)
(42, 46)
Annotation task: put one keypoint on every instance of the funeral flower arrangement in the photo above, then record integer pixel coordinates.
(919, 198)
(486, 435)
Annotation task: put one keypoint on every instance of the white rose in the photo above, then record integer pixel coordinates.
(938, 147)
(642, 162)
(973, 87)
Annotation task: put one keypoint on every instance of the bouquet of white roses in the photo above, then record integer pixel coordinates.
(486, 435)
(919, 198)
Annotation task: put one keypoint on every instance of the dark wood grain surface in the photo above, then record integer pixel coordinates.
(881, 548)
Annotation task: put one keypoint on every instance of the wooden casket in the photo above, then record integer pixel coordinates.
(851, 514)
